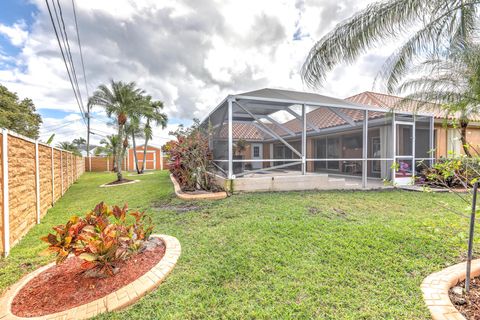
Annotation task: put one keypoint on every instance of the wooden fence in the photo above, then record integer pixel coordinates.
(33, 177)
(102, 164)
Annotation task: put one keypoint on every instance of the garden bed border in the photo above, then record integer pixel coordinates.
(203, 196)
(435, 289)
(107, 185)
(116, 300)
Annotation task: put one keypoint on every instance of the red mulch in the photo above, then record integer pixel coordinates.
(63, 286)
(119, 182)
(468, 305)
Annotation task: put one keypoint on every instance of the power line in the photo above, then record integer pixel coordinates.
(66, 44)
(85, 81)
(62, 131)
(58, 126)
(80, 48)
(63, 56)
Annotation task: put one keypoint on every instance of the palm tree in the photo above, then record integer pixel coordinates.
(118, 100)
(79, 142)
(434, 26)
(109, 146)
(68, 146)
(153, 115)
(452, 82)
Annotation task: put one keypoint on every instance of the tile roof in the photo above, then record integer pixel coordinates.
(390, 102)
(324, 117)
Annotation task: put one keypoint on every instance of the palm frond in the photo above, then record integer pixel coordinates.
(376, 23)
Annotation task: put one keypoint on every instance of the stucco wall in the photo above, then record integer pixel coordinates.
(473, 138)
(22, 184)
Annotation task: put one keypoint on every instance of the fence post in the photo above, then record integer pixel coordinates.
(161, 160)
(108, 164)
(61, 170)
(53, 175)
(69, 170)
(37, 181)
(470, 237)
(6, 207)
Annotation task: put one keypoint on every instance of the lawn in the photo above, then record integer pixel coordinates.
(326, 255)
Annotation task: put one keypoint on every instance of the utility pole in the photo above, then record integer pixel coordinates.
(88, 139)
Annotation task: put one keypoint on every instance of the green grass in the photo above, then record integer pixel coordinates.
(326, 255)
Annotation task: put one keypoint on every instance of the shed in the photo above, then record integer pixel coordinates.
(153, 159)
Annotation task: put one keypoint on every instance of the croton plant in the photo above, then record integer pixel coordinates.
(103, 238)
(190, 158)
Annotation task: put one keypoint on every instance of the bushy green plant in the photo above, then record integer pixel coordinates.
(101, 239)
(460, 171)
(190, 159)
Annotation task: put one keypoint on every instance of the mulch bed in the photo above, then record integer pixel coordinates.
(468, 305)
(63, 287)
(118, 182)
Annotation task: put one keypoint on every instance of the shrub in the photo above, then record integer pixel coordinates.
(190, 159)
(460, 171)
(102, 238)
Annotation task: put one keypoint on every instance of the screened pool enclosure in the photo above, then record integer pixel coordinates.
(282, 140)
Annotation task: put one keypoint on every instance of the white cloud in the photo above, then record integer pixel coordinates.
(16, 33)
(188, 53)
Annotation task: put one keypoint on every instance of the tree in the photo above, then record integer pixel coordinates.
(153, 115)
(437, 25)
(109, 146)
(119, 100)
(69, 146)
(452, 82)
(79, 142)
(18, 115)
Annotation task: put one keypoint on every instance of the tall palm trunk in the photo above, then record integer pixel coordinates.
(145, 147)
(144, 154)
(463, 137)
(135, 153)
(119, 153)
(114, 161)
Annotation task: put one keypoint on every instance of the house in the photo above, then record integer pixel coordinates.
(272, 139)
(446, 136)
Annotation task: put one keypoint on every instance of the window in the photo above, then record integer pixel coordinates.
(454, 144)
(256, 151)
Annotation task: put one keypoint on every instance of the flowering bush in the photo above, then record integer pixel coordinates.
(101, 239)
(190, 159)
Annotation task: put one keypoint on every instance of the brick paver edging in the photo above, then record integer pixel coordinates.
(435, 290)
(106, 185)
(201, 196)
(121, 298)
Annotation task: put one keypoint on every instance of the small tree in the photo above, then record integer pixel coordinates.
(120, 101)
(109, 146)
(79, 142)
(69, 146)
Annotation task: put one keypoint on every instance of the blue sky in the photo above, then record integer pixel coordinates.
(14, 11)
